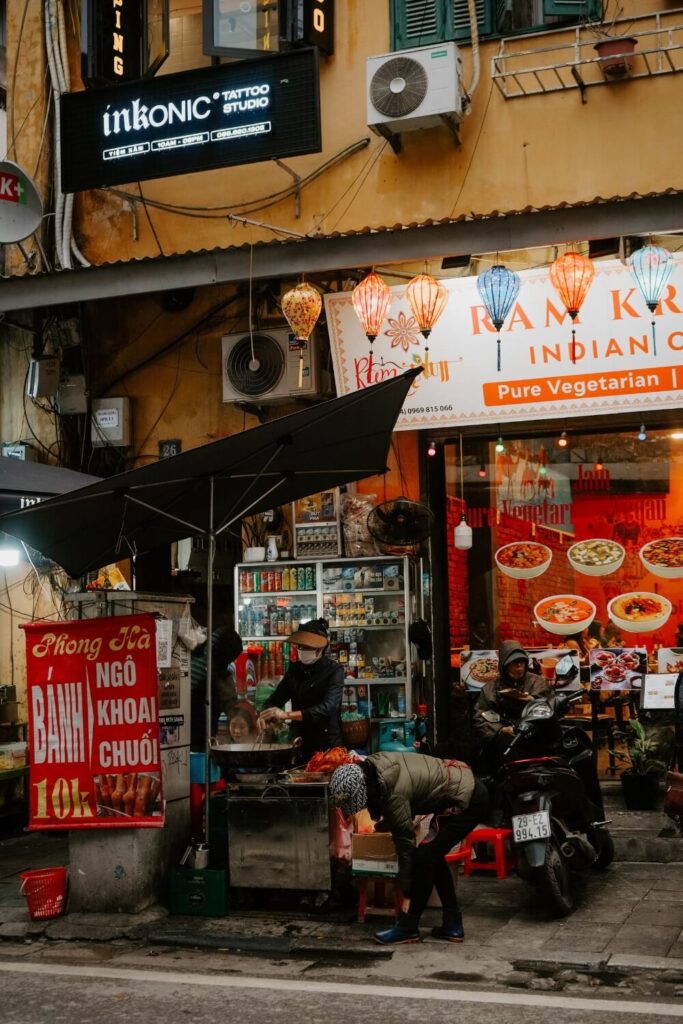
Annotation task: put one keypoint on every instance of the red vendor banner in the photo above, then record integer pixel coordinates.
(93, 713)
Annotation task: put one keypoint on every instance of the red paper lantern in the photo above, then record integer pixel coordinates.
(572, 275)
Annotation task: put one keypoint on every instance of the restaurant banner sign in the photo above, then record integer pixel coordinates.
(93, 713)
(617, 369)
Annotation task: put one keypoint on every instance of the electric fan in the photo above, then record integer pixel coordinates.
(399, 526)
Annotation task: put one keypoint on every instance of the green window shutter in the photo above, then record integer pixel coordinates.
(417, 23)
(461, 18)
(573, 8)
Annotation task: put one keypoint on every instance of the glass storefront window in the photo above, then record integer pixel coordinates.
(235, 27)
(577, 545)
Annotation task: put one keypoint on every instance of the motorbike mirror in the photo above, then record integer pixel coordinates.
(566, 669)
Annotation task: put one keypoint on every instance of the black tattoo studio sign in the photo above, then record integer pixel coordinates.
(199, 120)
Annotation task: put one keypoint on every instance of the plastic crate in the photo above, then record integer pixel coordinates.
(199, 891)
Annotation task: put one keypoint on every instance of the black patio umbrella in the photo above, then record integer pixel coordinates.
(207, 489)
(28, 483)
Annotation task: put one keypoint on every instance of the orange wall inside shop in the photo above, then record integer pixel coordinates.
(458, 579)
(515, 599)
(595, 516)
(403, 478)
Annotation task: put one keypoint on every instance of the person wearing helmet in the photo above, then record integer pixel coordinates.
(314, 684)
(501, 702)
(395, 787)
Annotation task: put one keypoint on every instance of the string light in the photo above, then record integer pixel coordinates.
(482, 470)
(500, 447)
(563, 440)
(431, 450)
(598, 466)
(642, 433)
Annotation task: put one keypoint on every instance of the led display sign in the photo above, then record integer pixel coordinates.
(213, 117)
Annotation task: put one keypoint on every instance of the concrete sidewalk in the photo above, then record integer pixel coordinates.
(628, 919)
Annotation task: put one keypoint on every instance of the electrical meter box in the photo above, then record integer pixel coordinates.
(110, 423)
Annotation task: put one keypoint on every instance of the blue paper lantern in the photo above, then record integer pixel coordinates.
(498, 288)
(651, 267)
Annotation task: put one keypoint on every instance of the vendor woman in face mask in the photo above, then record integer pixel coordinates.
(314, 685)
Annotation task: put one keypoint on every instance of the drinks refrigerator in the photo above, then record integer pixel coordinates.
(368, 603)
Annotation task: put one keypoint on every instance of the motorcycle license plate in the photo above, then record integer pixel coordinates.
(526, 827)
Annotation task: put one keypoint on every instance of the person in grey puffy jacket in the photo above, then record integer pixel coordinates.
(501, 702)
(395, 788)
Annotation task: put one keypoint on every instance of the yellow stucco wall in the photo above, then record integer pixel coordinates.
(536, 151)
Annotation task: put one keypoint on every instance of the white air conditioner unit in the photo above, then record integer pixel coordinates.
(415, 89)
(269, 372)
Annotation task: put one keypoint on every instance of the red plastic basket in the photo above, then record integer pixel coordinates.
(45, 892)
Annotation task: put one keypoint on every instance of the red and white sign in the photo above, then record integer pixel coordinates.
(21, 210)
(616, 369)
(93, 711)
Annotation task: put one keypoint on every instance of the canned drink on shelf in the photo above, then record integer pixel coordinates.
(256, 581)
(310, 577)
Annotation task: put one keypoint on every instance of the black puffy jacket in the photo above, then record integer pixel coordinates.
(316, 691)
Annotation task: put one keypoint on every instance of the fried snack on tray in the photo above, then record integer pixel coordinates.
(327, 760)
(127, 795)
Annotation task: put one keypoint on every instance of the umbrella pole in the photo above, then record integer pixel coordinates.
(211, 536)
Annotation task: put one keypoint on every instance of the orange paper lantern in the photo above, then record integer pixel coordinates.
(371, 300)
(572, 275)
(427, 298)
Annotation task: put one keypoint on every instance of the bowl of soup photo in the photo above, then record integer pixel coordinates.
(639, 612)
(663, 557)
(596, 557)
(523, 560)
(564, 614)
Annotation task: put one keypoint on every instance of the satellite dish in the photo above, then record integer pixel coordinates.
(21, 210)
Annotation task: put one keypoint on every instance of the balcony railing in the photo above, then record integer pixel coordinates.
(572, 63)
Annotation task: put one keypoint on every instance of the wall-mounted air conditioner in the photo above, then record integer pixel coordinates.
(415, 89)
(264, 369)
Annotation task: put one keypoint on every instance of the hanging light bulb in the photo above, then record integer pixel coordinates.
(498, 288)
(301, 307)
(431, 450)
(542, 470)
(371, 299)
(482, 470)
(427, 299)
(462, 535)
(572, 275)
(651, 267)
(563, 440)
(500, 447)
(598, 467)
(642, 433)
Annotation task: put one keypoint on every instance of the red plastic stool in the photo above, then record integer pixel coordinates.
(378, 887)
(502, 861)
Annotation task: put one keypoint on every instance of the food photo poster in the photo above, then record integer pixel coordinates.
(558, 666)
(617, 668)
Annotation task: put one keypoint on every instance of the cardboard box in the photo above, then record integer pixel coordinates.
(373, 853)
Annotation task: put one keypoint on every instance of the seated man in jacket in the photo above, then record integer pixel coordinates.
(396, 788)
(501, 702)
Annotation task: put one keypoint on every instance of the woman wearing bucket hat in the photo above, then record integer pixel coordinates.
(314, 684)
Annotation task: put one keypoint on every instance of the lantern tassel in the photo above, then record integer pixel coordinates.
(573, 349)
(301, 365)
(426, 361)
(499, 353)
(654, 338)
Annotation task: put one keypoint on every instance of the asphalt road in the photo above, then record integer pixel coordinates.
(39, 993)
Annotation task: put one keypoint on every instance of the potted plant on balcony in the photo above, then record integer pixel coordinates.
(614, 47)
(640, 780)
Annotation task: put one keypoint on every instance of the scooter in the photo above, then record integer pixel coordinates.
(551, 799)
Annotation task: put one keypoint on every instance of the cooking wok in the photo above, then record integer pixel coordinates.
(256, 755)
